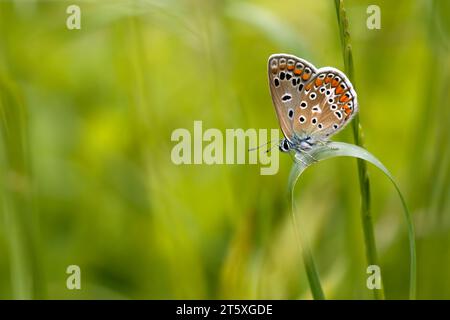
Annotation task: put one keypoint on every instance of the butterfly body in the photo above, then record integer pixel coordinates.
(303, 144)
(311, 104)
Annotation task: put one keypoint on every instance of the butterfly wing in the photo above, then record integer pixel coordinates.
(327, 103)
(288, 76)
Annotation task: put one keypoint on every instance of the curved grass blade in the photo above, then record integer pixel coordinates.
(310, 267)
(328, 151)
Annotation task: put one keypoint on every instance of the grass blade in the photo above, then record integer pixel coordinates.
(310, 267)
(340, 149)
(17, 196)
(364, 183)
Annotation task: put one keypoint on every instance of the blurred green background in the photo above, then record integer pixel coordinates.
(85, 170)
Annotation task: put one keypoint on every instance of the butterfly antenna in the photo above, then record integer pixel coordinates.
(265, 144)
(271, 147)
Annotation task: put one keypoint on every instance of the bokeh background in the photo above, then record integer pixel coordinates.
(85, 170)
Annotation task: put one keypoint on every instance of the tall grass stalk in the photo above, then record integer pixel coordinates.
(17, 196)
(364, 183)
(310, 267)
(369, 235)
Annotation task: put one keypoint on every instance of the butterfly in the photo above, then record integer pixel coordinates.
(311, 104)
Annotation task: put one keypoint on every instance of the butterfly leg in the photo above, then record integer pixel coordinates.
(311, 156)
(299, 159)
(308, 154)
(325, 144)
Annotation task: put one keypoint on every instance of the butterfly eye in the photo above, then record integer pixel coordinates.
(335, 126)
(300, 87)
(338, 114)
(294, 82)
(312, 96)
(330, 100)
(322, 76)
(333, 107)
(303, 105)
(328, 92)
(288, 76)
(320, 126)
(282, 75)
(302, 119)
(286, 97)
(314, 120)
(322, 90)
(285, 145)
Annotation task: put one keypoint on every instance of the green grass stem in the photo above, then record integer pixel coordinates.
(367, 219)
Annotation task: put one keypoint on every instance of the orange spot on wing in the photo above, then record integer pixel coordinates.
(290, 67)
(339, 90)
(318, 82)
(334, 83)
(344, 98)
(347, 110)
(308, 86)
(298, 71)
(306, 76)
(327, 80)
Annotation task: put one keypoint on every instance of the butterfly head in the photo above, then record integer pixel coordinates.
(285, 145)
(304, 144)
